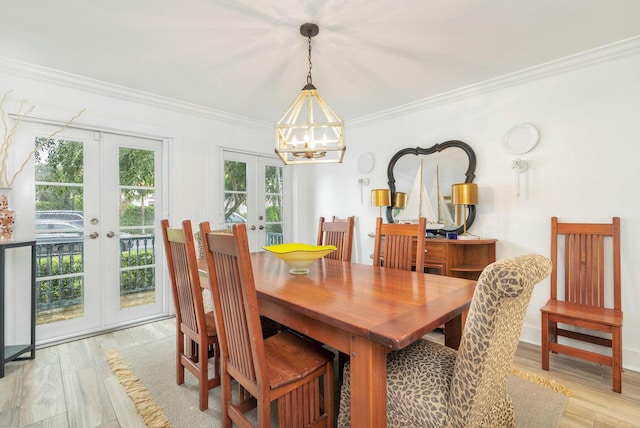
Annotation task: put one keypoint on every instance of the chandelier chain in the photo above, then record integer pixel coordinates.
(309, 79)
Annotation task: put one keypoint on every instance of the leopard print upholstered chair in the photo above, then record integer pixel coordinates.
(430, 385)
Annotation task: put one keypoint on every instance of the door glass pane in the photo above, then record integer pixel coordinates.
(59, 228)
(235, 192)
(274, 190)
(137, 230)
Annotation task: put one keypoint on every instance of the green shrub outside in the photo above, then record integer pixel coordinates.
(60, 292)
(136, 280)
(132, 216)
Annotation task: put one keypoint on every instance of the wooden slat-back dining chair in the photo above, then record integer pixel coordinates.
(338, 233)
(394, 245)
(581, 299)
(284, 367)
(196, 337)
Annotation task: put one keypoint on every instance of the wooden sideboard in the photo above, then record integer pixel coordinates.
(458, 258)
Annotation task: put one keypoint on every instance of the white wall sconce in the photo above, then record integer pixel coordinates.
(518, 140)
(519, 166)
(363, 183)
(365, 165)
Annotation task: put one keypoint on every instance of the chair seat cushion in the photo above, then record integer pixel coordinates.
(418, 383)
(211, 324)
(605, 316)
(291, 358)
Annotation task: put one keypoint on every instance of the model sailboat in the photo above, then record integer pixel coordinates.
(419, 205)
(442, 211)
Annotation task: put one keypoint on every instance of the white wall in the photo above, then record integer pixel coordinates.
(194, 136)
(584, 168)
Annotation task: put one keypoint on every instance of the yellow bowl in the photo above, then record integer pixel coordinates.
(299, 256)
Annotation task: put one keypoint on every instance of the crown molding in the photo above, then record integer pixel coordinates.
(601, 54)
(74, 81)
(584, 59)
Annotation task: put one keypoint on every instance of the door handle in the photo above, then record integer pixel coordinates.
(93, 235)
(110, 234)
(261, 227)
(253, 227)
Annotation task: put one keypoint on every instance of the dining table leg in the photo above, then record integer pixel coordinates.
(368, 383)
(453, 331)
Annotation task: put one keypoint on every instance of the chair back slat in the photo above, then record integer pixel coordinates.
(234, 316)
(179, 248)
(183, 284)
(335, 238)
(398, 252)
(235, 302)
(338, 233)
(586, 271)
(400, 246)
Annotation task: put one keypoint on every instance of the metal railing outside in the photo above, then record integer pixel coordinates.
(273, 238)
(60, 270)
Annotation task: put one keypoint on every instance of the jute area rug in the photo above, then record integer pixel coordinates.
(163, 403)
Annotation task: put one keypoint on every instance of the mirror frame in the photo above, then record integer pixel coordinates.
(469, 175)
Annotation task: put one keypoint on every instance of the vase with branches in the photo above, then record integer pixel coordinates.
(8, 172)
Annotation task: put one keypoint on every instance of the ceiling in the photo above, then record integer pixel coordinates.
(247, 56)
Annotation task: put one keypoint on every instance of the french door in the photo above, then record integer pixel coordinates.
(96, 223)
(254, 192)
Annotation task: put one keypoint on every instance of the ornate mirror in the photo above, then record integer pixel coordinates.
(426, 176)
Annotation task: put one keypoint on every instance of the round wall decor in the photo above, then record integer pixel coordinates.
(521, 138)
(365, 163)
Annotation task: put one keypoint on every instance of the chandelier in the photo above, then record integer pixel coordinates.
(310, 131)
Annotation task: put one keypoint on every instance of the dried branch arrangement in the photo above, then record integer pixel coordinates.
(7, 179)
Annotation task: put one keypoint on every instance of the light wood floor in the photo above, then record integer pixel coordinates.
(71, 385)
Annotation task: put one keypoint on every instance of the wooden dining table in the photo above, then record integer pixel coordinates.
(363, 311)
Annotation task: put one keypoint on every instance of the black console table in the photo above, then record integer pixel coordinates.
(15, 352)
